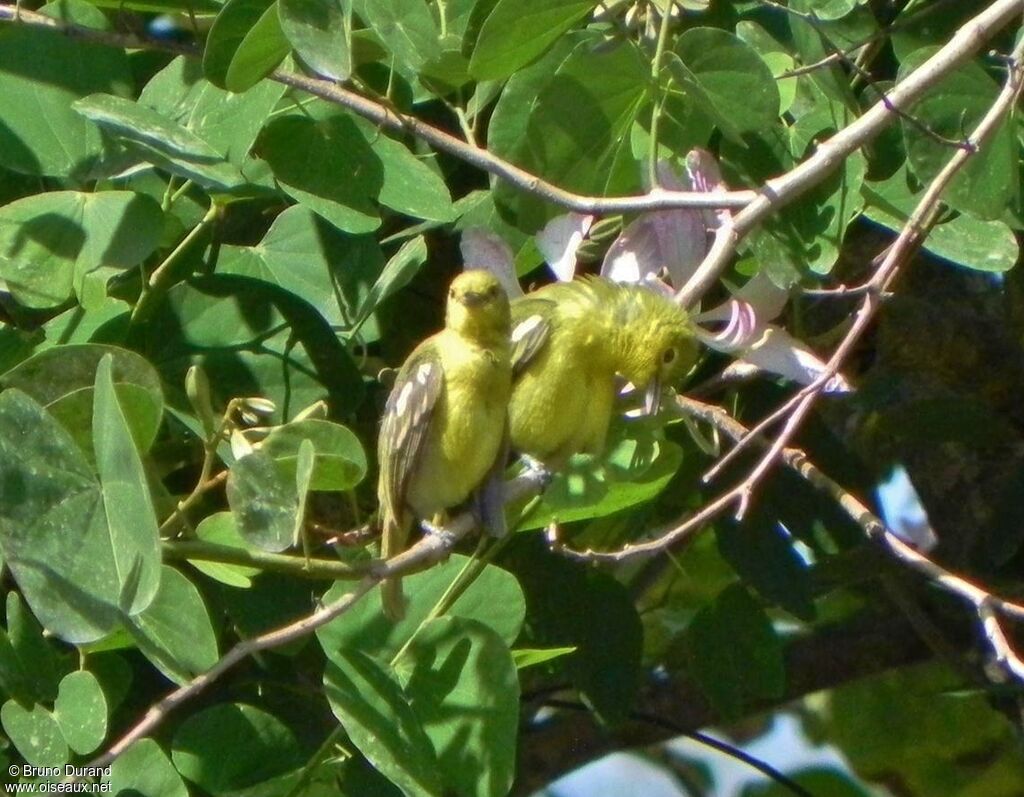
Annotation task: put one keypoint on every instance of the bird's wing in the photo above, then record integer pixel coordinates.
(406, 424)
(531, 329)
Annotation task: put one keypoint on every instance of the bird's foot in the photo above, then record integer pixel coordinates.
(537, 469)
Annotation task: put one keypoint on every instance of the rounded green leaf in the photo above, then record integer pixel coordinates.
(81, 711)
(568, 120)
(494, 599)
(61, 525)
(327, 166)
(375, 713)
(145, 769)
(35, 734)
(232, 746)
(462, 683)
(220, 529)
(584, 490)
(39, 132)
(321, 33)
(517, 31)
(156, 139)
(263, 500)
(175, 631)
(50, 242)
(244, 45)
(35, 657)
(735, 652)
(227, 121)
(406, 27)
(307, 256)
(254, 340)
(340, 462)
(952, 109)
(727, 78)
(62, 379)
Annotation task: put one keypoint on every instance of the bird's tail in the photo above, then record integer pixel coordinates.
(392, 543)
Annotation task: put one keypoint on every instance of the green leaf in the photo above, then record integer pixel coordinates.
(232, 746)
(145, 769)
(244, 45)
(406, 27)
(981, 245)
(35, 734)
(462, 684)
(517, 31)
(156, 139)
(568, 120)
(307, 256)
(131, 521)
(735, 653)
(763, 556)
(50, 242)
(340, 462)
(81, 549)
(327, 166)
(257, 339)
(574, 606)
(952, 109)
(494, 599)
(62, 380)
(377, 717)
(409, 185)
(227, 121)
(398, 273)
(53, 535)
(40, 134)
(220, 529)
(584, 490)
(35, 657)
(529, 657)
(81, 711)
(197, 7)
(727, 78)
(175, 632)
(321, 33)
(263, 501)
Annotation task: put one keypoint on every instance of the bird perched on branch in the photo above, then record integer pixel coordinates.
(445, 423)
(570, 340)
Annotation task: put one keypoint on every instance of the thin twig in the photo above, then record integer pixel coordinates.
(832, 153)
(910, 238)
(718, 745)
(430, 549)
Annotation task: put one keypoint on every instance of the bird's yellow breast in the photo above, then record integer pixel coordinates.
(467, 426)
(562, 404)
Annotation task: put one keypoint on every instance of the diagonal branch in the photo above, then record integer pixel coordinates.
(781, 190)
(430, 549)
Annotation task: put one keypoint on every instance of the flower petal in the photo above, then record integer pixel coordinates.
(484, 249)
(675, 240)
(780, 353)
(560, 239)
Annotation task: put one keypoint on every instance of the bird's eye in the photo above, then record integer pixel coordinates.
(451, 293)
(492, 291)
(668, 356)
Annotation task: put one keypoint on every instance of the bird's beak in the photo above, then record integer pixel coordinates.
(473, 299)
(652, 397)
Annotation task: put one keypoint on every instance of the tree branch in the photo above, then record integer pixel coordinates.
(430, 549)
(779, 191)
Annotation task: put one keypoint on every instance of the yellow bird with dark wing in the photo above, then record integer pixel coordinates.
(445, 423)
(570, 342)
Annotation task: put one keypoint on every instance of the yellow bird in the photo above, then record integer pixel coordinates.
(570, 341)
(445, 423)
